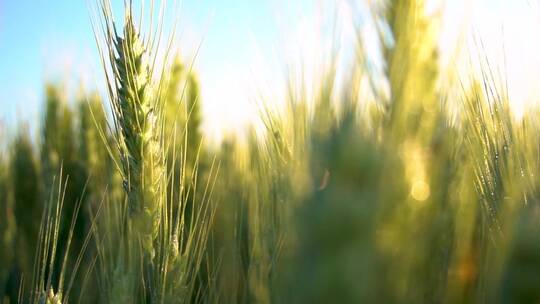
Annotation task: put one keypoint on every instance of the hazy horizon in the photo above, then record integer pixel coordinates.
(240, 43)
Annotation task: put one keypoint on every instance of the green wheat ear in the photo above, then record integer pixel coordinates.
(137, 123)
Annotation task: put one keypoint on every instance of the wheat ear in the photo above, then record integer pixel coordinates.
(137, 122)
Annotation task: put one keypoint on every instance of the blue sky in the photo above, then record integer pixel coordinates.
(29, 30)
(43, 40)
(245, 47)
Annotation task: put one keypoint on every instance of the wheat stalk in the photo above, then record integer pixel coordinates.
(137, 122)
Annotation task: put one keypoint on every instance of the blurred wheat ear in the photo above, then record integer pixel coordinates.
(51, 280)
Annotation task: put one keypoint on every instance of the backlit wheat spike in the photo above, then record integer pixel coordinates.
(139, 139)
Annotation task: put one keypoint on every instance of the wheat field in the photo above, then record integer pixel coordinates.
(413, 184)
